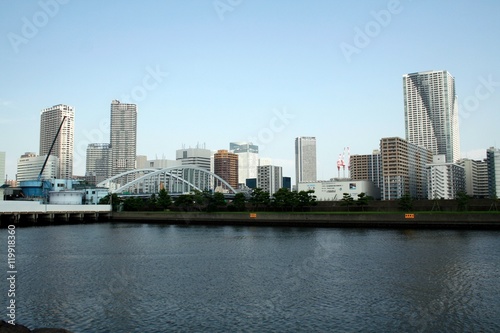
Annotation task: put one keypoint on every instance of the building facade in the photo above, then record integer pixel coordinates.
(98, 162)
(50, 121)
(333, 190)
(444, 179)
(493, 165)
(476, 177)
(29, 166)
(123, 137)
(248, 159)
(269, 178)
(367, 167)
(199, 157)
(305, 159)
(431, 112)
(403, 169)
(226, 166)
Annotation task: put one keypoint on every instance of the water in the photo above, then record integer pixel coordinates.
(150, 278)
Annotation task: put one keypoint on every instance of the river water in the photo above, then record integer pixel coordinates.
(118, 277)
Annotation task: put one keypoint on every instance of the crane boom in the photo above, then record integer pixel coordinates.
(51, 147)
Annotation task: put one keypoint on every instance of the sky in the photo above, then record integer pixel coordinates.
(211, 72)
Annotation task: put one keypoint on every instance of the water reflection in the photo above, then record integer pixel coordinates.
(136, 278)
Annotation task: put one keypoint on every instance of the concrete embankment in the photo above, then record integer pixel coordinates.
(354, 220)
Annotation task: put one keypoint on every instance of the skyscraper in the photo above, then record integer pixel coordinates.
(123, 137)
(226, 167)
(199, 157)
(493, 165)
(431, 112)
(98, 162)
(50, 120)
(248, 159)
(305, 159)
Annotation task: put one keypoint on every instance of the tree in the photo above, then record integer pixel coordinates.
(163, 201)
(306, 199)
(462, 200)
(347, 200)
(133, 204)
(111, 199)
(216, 201)
(283, 199)
(406, 203)
(184, 202)
(260, 198)
(362, 200)
(238, 203)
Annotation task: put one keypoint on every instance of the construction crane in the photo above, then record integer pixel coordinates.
(50, 150)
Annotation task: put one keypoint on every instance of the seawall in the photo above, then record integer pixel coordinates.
(484, 220)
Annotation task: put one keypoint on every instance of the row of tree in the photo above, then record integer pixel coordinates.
(282, 200)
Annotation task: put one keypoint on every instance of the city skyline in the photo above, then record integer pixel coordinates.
(327, 70)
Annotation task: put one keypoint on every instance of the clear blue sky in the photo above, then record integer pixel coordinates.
(235, 65)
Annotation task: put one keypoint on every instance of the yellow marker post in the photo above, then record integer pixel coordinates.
(409, 216)
(253, 215)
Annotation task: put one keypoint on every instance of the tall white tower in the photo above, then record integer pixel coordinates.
(431, 112)
(305, 159)
(50, 120)
(123, 137)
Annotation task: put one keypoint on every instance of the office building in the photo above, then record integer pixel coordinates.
(123, 137)
(476, 177)
(269, 178)
(30, 164)
(431, 113)
(199, 157)
(248, 159)
(403, 169)
(98, 163)
(2, 168)
(493, 165)
(305, 159)
(226, 167)
(444, 179)
(50, 121)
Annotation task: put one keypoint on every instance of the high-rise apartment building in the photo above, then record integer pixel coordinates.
(476, 177)
(305, 159)
(270, 178)
(403, 169)
(444, 179)
(367, 167)
(493, 162)
(50, 121)
(123, 137)
(226, 166)
(98, 166)
(2, 167)
(431, 112)
(248, 159)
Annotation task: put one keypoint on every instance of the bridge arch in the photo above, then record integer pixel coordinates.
(178, 179)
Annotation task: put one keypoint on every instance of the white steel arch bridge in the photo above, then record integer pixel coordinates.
(176, 180)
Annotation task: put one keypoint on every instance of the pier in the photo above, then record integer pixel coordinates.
(34, 212)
